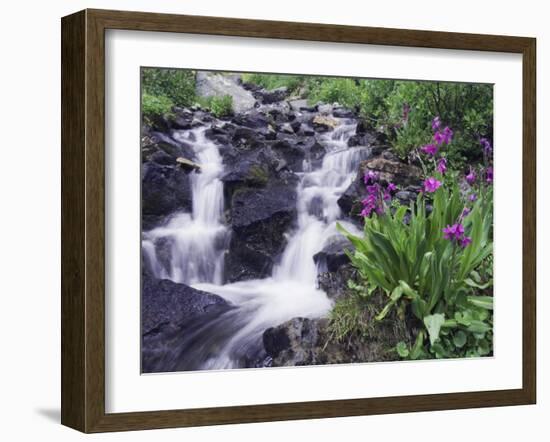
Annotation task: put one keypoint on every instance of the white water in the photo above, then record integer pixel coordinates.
(197, 258)
(195, 239)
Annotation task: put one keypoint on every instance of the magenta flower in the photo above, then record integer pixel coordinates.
(391, 187)
(373, 189)
(431, 185)
(436, 123)
(486, 144)
(465, 212)
(472, 197)
(370, 177)
(454, 232)
(438, 138)
(471, 177)
(489, 175)
(370, 204)
(444, 136)
(442, 166)
(429, 149)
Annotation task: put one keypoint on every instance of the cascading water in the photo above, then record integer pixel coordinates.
(234, 339)
(195, 240)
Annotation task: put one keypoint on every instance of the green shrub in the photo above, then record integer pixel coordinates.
(437, 279)
(176, 84)
(274, 81)
(155, 106)
(219, 106)
(467, 108)
(344, 91)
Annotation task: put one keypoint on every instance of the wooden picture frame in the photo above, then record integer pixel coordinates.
(83, 220)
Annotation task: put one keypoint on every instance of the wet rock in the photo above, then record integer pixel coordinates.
(406, 197)
(300, 105)
(271, 96)
(335, 283)
(350, 200)
(251, 119)
(164, 190)
(188, 165)
(259, 220)
(170, 145)
(164, 302)
(291, 343)
(169, 309)
(333, 255)
(245, 138)
(324, 108)
(392, 170)
(183, 119)
(162, 158)
(291, 152)
(342, 112)
(324, 123)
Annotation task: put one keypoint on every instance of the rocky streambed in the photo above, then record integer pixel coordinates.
(242, 262)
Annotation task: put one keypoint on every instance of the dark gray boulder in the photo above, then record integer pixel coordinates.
(165, 189)
(292, 343)
(271, 96)
(342, 112)
(292, 152)
(169, 312)
(333, 255)
(259, 220)
(166, 302)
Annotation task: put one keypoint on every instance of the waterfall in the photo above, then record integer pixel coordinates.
(318, 192)
(194, 241)
(196, 257)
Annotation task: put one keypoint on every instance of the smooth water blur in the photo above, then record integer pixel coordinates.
(197, 247)
(193, 241)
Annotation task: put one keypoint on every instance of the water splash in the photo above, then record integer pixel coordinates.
(234, 339)
(193, 242)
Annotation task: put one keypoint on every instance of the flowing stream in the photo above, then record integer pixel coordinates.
(197, 242)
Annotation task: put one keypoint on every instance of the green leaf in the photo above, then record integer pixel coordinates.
(478, 327)
(475, 285)
(418, 307)
(402, 349)
(433, 324)
(483, 347)
(396, 294)
(417, 348)
(485, 302)
(459, 339)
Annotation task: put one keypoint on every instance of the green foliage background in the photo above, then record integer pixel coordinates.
(465, 107)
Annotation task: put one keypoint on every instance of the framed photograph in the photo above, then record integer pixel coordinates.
(266, 221)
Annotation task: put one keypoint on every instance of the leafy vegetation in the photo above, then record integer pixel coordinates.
(274, 81)
(402, 109)
(176, 85)
(153, 106)
(165, 88)
(434, 264)
(219, 106)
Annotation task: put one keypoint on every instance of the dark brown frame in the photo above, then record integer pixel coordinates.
(83, 216)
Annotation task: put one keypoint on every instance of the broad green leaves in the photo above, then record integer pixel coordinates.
(433, 324)
(414, 264)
